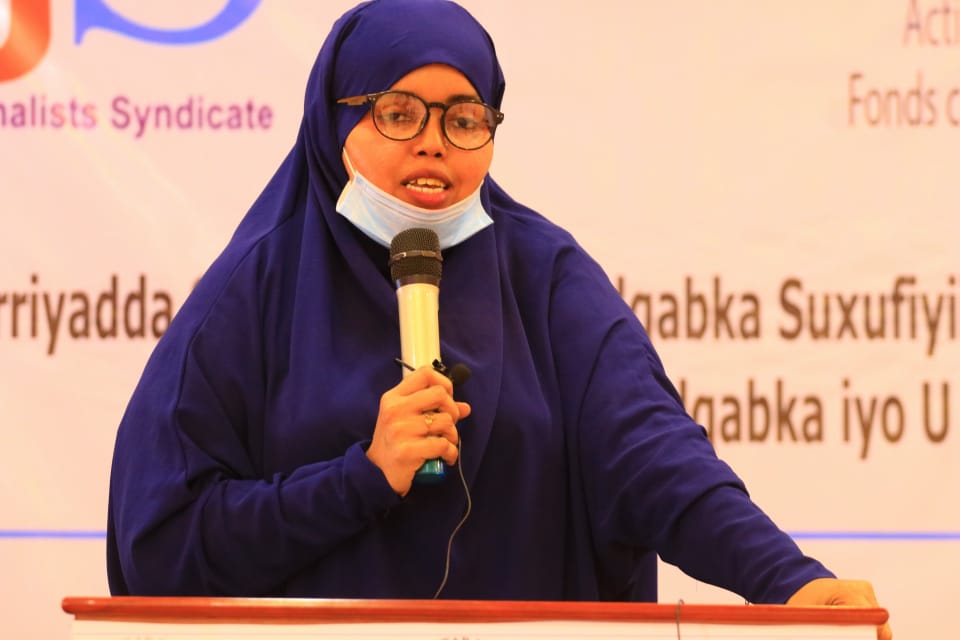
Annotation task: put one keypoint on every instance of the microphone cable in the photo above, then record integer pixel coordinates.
(456, 529)
(458, 374)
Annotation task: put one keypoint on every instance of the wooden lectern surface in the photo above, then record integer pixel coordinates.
(305, 611)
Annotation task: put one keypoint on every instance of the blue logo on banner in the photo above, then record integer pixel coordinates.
(95, 14)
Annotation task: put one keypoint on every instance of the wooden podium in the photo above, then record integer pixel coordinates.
(136, 618)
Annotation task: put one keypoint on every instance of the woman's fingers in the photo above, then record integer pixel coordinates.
(440, 425)
(416, 422)
(423, 378)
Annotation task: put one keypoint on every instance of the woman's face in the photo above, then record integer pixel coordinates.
(426, 171)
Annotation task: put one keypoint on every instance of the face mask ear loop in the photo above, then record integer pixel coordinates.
(350, 169)
(351, 179)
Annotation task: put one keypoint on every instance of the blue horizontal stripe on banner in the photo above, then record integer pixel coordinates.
(797, 535)
(876, 535)
(50, 535)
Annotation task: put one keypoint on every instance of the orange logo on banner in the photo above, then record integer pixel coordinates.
(28, 39)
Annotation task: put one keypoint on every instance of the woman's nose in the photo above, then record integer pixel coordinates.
(431, 140)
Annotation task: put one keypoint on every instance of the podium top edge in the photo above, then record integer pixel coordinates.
(341, 611)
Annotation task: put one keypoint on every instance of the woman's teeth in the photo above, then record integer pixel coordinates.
(426, 185)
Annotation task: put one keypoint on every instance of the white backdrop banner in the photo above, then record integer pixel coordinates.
(771, 187)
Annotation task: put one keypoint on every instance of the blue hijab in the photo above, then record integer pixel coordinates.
(369, 49)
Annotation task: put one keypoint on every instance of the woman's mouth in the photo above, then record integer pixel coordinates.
(426, 185)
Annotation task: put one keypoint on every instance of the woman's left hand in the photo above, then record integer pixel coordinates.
(834, 592)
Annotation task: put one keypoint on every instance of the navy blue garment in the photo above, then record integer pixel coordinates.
(240, 464)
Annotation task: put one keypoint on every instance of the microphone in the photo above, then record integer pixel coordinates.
(458, 374)
(415, 268)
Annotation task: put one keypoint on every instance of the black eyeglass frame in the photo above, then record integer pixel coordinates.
(371, 99)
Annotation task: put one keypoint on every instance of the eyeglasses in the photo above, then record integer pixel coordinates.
(399, 115)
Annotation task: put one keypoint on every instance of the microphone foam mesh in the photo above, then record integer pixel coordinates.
(423, 245)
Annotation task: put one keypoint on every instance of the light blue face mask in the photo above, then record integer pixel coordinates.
(381, 216)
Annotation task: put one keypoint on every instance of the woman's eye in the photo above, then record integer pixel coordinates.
(464, 122)
(395, 116)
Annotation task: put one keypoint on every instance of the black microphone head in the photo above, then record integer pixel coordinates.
(415, 256)
(458, 374)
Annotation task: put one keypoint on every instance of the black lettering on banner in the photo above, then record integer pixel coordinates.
(901, 313)
(936, 427)
(932, 23)
(108, 314)
(869, 412)
(883, 106)
(696, 313)
(757, 416)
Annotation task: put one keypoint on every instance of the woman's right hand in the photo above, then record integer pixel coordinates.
(416, 423)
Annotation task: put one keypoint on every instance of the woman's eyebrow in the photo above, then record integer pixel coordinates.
(462, 96)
